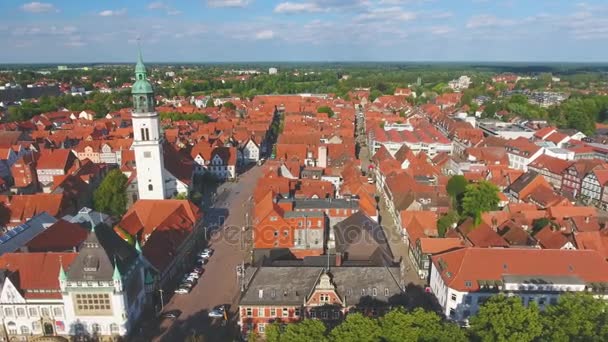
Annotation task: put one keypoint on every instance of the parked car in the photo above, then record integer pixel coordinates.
(217, 312)
(206, 253)
(194, 275)
(182, 290)
(199, 270)
(173, 314)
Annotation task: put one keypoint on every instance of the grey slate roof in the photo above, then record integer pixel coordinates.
(359, 237)
(293, 285)
(87, 216)
(325, 204)
(95, 260)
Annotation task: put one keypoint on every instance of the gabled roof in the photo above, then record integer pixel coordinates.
(36, 271)
(61, 236)
(98, 254)
(464, 269)
(361, 238)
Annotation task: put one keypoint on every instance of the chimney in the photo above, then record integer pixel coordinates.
(494, 224)
(587, 218)
(322, 156)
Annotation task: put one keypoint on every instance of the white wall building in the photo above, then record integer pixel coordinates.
(463, 279)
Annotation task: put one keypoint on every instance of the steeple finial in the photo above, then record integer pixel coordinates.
(62, 275)
(116, 276)
(137, 245)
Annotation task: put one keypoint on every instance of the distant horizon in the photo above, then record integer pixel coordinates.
(268, 62)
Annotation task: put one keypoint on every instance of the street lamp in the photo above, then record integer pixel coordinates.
(162, 302)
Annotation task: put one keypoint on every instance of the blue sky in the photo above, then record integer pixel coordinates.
(303, 30)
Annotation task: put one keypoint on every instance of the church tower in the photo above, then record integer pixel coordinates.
(147, 138)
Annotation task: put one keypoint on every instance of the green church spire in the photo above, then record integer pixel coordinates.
(62, 276)
(143, 94)
(116, 276)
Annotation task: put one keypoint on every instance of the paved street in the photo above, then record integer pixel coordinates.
(218, 284)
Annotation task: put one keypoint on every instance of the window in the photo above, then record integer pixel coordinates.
(467, 283)
(147, 154)
(20, 312)
(92, 304)
(452, 313)
(36, 326)
(374, 292)
(33, 312)
(12, 328)
(96, 328)
(453, 297)
(296, 312)
(541, 300)
(362, 292)
(114, 328)
(285, 312)
(386, 291)
(44, 312)
(25, 330)
(323, 298)
(313, 314)
(150, 187)
(261, 312)
(324, 314)
(336, 314)
(57, 312)
(261, 328)
(273, 218)
(248, 312)
(276, 233)
(273, 312)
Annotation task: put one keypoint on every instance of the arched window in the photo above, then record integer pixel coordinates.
(141, 77)
(150, 187)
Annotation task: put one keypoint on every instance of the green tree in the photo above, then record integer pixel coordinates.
(210, 103)
(479, 198)
(111, 195)
(327, 110)
(273, 332)
(539, 223)
(455, 188)
(446, 221)
(576, 317)
(418, 325)
(229, 105)
(181, 196)
(304, 331)
(356, 327)
(506, 319)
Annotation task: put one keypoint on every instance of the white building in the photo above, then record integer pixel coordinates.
(103, 289)
(250, 152)
(272, 71)
(463, 279)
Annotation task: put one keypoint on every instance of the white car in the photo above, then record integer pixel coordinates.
(206, 253)
(182, 290)
(194, 275)
(217, 312)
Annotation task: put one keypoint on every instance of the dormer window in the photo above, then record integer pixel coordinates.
(91, 263)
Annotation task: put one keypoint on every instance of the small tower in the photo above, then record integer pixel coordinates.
(63, 279)
(117, 277)
(147, 137)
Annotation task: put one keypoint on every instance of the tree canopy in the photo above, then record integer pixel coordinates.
(111, 195)
(479, 198)
(356, 327)
(418, 325)
(327, 110)
(506, 319)
(576, 317)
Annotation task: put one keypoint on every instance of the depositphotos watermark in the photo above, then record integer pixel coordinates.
(270, 236)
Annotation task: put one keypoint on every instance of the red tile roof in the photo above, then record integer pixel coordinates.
(475, 264)
(36, 271)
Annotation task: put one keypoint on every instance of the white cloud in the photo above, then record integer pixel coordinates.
(264, 34)
(385, 14)
(157, 5)
(440, 30)
(38, 7)
(297, 7)
(113, 13)
(228, 3)
(486, 20)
